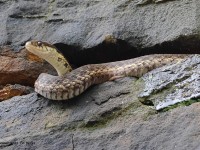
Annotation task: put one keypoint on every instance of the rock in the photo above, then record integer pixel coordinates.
(10, 91)
(110, 115)
(122, 122)
(173, 84)
(145, 2)
(80, 27)
(21, 67)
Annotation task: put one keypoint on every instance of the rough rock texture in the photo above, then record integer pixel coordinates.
(144, 2)
(21, 67)
(110, 115)
(178, 83)
(106, 116)
(86, 23)
(170, 26)
(10, 91)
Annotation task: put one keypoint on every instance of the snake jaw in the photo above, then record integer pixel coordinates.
(38, 48)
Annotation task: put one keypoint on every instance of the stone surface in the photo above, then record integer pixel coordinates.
(10, 91)
(167, 27)
(145, 2)
(175, 83)
(21, 67)
(110, 115)
(120, 122)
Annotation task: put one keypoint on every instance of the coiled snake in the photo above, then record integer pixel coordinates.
(70, 84)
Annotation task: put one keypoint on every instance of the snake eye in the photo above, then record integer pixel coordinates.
(39, 43)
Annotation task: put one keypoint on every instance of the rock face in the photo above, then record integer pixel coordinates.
(86, 23)
(106, 116)
(10, 91)
(21, 67)
(110, 115)
(77, 25)
(173, 84)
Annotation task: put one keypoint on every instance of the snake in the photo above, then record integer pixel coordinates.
(71, 83)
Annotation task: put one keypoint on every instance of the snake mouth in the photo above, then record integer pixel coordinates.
(31, 48)
(38, 48)
(28, 45)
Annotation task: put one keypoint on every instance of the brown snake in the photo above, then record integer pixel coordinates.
(70, 84)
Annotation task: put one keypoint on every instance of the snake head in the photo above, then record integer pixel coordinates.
(51, 54)
(39, 48)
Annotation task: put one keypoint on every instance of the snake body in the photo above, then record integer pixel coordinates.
(71, 84)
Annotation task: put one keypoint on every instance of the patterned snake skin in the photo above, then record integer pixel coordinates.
(70, 84)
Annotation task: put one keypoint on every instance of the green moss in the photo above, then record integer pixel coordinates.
(50, 7)
(184, 103)
(52, 1)
(162, 92)
(106, 118)
(150, 112)
(134, 108)
(101, 121)
(72, 127)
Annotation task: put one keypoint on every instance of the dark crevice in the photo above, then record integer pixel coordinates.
(121, 50)
(16, 16)
(182, 45)
(73, 142)
(104, 52)
(54, 20)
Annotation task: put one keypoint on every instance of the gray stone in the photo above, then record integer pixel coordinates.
(110, 115)
(122, 122)
(172, 84)
(145, 2)
(27, 119)
(86, 23)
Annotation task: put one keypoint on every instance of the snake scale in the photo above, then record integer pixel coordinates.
(69, 84)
